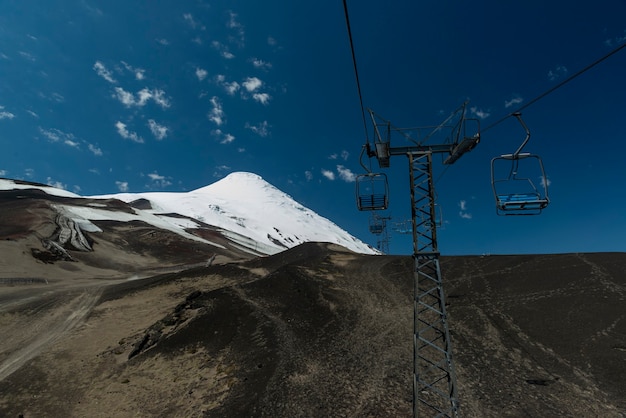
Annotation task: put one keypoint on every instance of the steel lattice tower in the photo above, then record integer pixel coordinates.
(434, 379)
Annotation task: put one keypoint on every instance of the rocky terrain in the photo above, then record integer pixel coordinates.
(147, 323)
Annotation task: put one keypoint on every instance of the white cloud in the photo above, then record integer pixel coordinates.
(71, 143)
(126, 134)
(237, 28)
(56, 135)
(33, 114)
(328, 174)
(190, 20)
(252, 84)
(558, 72)
(56, 184)
(515, 100)
(159, 131)
(308, 175)
(142, 97)
(262, 129)
(96, 151)
(463, 212)
(262, 98)
(103, 72)
(3, 172)
(544, 182)
(122, 186)
(201, 73)
(216, 115)
(163, 41)
(345, 154)
(29, 172)
(346, 174)
(223, 50)
(616, 41)
(271, 41)
(6, 115)
(138, 72)
(258, 63)
(224, 138)
(159, 180)
(230, 87)
(482, 114)
(333, 156)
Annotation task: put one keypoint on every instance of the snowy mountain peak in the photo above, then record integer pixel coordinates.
(250, 212)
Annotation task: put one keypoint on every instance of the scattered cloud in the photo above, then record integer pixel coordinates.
(463, 210)
(122, 186)
(271, 41)
(159, 131)
(344, 155)
(328, 174)
(237, 27)
(346, 174)
(618, 40)
(230, 87)
(252, 84)
(260, 64)
(558, 72)
(159, 180)
(56, 184)
(104, 72)
(71, 143)
(482, 114)
(95, 150)
(223, 50)
(190, 20)
(33, 114)
(216, 114)
(308, 175)
(3, 172)
(27, 55)
(6, 115)
(126, 134)
(201, 73)
(224, 138)
(57, 135)
(545, 182)
(262, 98)
(515, 100)
(262, 129)
(138, 72)
(29, 172)
(142, 97)
(163, 41)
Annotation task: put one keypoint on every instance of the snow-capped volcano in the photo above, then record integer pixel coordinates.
(249, 211)
(254, 215)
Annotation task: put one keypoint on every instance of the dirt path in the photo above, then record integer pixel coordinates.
(47, 320)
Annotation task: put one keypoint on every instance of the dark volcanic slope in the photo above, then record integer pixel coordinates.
(318, 331)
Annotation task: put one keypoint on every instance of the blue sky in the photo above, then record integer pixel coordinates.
(101, 97)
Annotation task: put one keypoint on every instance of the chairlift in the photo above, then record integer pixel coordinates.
(514, 177)
(372, 191)
(377, 225)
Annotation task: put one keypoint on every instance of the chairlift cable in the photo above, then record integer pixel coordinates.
(561, 84)
(356, 71)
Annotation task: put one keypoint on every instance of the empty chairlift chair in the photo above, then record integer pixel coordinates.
(372, 191)
(519, 181)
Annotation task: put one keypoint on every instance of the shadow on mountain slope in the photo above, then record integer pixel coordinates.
(320, 331)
